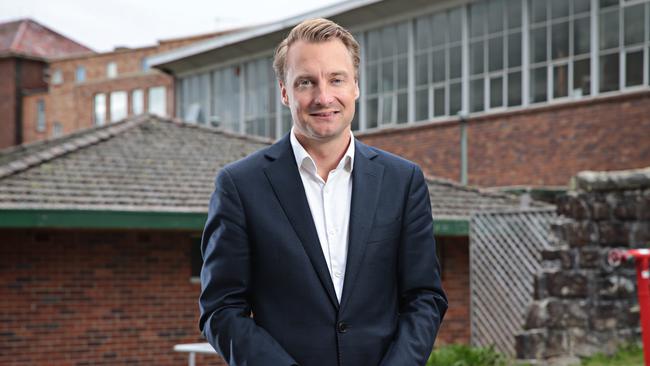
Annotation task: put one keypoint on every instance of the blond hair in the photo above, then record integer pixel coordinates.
(315, 30)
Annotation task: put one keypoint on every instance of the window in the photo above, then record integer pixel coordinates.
(144, 66)
(137, 101)
(99, 107)
(80, 74)
(227, 97)
(57, 130)
(40, 115)
(560, 45)
(197, 99)
(57, 77)
(111, 70)
(196, 258)
(158, 101)
(261, 90)
(118, 105)
(438, 61)
(386, 75)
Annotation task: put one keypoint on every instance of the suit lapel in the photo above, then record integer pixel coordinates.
(366, 183)
(284, 177)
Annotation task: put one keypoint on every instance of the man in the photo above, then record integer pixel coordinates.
(326, 241)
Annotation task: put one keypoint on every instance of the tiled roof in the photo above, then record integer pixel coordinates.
(158, 165)
(26, 37)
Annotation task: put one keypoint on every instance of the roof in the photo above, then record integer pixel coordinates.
(161, 166)
(28, 38)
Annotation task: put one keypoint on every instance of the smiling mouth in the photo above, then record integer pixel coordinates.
(324, 114)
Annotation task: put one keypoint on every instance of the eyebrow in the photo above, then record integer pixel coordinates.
(334, 73)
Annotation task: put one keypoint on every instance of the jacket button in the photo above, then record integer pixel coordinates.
(342, 327)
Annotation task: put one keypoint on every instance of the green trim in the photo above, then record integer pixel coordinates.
(92, 219)
(451, 227)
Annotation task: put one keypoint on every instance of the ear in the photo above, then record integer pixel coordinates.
(283, 93)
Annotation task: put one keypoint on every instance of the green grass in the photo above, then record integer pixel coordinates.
(462, 355)
(627, 355)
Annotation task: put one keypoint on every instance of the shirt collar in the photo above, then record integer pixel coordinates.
(303, 159)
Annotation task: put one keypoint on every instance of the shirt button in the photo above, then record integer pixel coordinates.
(342, 327)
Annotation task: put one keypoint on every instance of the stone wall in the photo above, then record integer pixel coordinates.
(583, 305)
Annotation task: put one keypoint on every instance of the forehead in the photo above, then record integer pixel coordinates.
(327, 56)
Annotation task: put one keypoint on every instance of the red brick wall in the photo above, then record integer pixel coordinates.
(455, 280)
(96, 297)
(543, 146)
(7, 103)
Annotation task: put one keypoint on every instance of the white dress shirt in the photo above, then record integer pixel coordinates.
(329, 203)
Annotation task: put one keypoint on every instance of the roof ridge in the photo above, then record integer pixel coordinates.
(19, 34)
(67, 146)
(475, 189)
(217, 130)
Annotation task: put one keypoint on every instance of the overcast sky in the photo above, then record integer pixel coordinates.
(103, 25)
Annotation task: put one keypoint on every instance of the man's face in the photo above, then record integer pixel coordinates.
(320, 89)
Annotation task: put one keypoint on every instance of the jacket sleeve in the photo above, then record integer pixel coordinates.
(225, 285)
(423, 302)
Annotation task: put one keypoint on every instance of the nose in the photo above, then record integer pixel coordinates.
(324, 95)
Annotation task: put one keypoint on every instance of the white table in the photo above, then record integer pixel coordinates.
(193, 349)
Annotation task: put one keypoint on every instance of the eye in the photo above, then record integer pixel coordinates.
(304, 82)
(337, 81)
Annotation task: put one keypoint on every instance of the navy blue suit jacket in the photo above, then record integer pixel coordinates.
(262, 255)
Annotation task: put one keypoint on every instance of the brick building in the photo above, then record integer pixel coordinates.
(494, 93)
(25, 48)
(72, 87)
(100, 252)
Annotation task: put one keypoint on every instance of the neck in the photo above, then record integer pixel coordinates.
(326, 154)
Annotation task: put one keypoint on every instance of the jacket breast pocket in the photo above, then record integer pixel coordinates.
(383, 232)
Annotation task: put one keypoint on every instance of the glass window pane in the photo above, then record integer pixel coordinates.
(137, 101)
(538, 44)
(372, 79)
(455, 99)
(439, 23)
(476, 54)
(560, 40)
(559, 8)
(423, 33)
(496, 92)
(606, 3)
(455, 62)
(439, 102)
(495, 16)
(538, 84)
(581, 77)
(402, 73)
(422, 69)
(538, 11)
(422, 105)
(560, 81)
(514, 50)
(373, 45)
(455, 25)
(609, 72)
(514, 13)
(387, 109)
(118, 105)
(581, 36)
(581, 6)
(495, 50)
(609, 30)
(514, 88)
(371, 113)
(438, 60)
(402, 38)
(402, 108)
(634, 68)
(477, 19)
(158, 101)
(389, 41)
(387, 76)
(633, 21)
(477, 95)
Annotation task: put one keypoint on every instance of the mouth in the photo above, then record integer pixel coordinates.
(325, 114)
